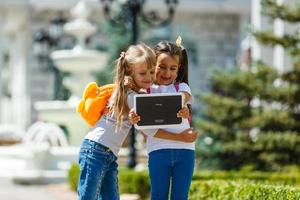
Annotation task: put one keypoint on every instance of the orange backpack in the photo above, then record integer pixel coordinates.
(94, 101)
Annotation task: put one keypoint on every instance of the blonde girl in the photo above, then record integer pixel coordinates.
(99, 150)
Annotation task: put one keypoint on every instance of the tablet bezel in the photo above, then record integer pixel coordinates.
(154, 95)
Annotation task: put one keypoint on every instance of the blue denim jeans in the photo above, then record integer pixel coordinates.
(98, 172)
(175, 166)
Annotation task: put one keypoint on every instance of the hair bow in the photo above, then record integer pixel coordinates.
(178, 41)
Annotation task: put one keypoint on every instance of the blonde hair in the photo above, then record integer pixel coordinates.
(135, 54)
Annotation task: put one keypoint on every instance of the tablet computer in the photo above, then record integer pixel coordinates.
(158, 110)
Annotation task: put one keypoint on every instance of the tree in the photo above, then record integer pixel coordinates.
(252, 117)
(119, 39)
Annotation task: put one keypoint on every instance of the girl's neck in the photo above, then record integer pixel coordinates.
(136, 89)
(163, 84)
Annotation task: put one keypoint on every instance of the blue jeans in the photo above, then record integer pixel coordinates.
(98, 172)
(171, 165)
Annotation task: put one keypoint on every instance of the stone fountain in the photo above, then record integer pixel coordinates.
(45, 154)
(79, 62)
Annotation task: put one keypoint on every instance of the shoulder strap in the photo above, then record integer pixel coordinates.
(176, 86)
(148, 91)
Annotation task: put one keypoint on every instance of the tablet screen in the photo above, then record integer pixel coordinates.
(158, 110)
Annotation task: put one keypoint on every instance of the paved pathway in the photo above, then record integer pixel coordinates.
(11, 191)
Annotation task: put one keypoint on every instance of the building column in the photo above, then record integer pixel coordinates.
(256, 24)
(16, 27)
(1, 64)
(278, 51)
(1, 93)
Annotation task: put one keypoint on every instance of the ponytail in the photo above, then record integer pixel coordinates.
(118, 107)
(183, 71)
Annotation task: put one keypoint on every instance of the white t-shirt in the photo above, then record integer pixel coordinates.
(154, 143)
(105, 132)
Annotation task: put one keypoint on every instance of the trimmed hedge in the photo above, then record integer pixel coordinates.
(134, 182)
(243, 190)
(73, 175)
(129, 181)
(284, 178)
(214, 185)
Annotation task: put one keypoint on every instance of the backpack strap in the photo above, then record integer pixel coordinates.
(148, 91)
(176, 86)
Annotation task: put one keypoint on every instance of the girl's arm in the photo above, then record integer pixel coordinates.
(186, 97)
(184, 112)
(134, 118)
(185, 90)
(188, 135)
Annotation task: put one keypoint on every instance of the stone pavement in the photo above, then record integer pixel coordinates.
(11, 191)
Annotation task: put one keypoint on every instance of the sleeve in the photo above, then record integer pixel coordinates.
(130, 99)
(150, 132)
(183, 87)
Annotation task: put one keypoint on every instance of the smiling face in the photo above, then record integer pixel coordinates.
(142, 75)
(166, 69)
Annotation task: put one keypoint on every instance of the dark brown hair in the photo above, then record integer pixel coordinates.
(174, 50)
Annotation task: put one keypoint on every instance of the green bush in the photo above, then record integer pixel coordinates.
(129, 181)
(214, 184)
(243, 190)
(73, 176)
(134, 182)
(284, 178)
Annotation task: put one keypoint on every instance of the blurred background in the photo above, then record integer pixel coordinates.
(244, 72)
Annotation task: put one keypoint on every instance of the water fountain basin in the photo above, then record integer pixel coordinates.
(64, 113)
(43, 156)
(79, 60)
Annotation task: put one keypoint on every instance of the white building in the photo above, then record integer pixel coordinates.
(211, 29)
(277, 56)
